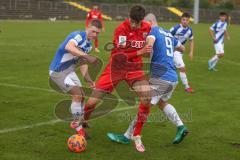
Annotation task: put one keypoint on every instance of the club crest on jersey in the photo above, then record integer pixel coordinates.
(122, 40)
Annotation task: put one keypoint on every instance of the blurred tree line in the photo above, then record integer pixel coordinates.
(222, 4)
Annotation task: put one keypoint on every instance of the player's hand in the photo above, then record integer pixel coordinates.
(103, 29)
(191, 56)
(145, 51)
(214, 40)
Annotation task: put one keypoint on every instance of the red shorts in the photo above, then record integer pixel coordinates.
(109, 79)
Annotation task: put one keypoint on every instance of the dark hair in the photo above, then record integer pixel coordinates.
(185, 15)
(96, 23)
(137, 13)
(222, 14)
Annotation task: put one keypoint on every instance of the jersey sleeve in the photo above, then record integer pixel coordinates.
(191, 37)
(173, 30)
(153, 34)
(78, 39)
(214, 26)
(101, 19)
(88, 18)
(225, 26)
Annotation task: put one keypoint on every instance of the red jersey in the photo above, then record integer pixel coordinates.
(129, 41)
(124, 64)
(94, 14)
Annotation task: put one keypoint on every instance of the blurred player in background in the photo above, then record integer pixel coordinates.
(163, 79)
(183, 33)
(125, 64)
(217, 32)
(95, 13)
(74, 52)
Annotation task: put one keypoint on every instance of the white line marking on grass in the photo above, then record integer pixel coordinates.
(29, 126)
(49, 90)
(26, 87)
(8, 130)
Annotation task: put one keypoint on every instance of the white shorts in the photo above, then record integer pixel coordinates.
(178, 59)
(64, 82)
(161, 90)
(219, 48)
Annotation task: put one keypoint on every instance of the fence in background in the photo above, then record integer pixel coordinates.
(44, 9)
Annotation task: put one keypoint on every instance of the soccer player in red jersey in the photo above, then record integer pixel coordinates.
(95, 13)
(125, 64)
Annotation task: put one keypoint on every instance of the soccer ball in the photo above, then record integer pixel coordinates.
(77, 143)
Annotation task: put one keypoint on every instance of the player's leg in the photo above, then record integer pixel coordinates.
(179, 63)
(96, 45)
(164, 90)
(105, 84)
(142, 88)
(77, 93)
(219, 49)
(133, 132)
(70, 83)
(173, 116)
(93, 100)
(77, 108)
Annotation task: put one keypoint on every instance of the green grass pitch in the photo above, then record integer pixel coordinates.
(211, 114)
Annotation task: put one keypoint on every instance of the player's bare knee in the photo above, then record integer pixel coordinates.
(145, 100)
(162, 104)
(182, 69)
(220, 55)
(77, 98)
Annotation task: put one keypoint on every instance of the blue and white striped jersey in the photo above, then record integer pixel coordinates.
(64, 60)
(219, 29)
(182, 34)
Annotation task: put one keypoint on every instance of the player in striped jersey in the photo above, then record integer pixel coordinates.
(71, 54)
(183, 33)
(217, 31)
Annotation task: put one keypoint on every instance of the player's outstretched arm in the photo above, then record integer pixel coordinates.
(227, 34)
(72, 48)
(85, 74)
(191, 43)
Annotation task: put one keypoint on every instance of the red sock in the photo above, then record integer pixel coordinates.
(96, 43)
(142, 115)
(87, 111)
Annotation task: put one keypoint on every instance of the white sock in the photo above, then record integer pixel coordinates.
(172, 115)
(214, 60)
(77, 112)
(183, 77)
(128, 134)
(76, 108)
(155, 100)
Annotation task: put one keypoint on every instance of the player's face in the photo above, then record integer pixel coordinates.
(223, 18)
(92, 32)
(185, 21)
(134, 24)
(95, 7)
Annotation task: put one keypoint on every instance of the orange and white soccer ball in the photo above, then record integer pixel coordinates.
(77, 143)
